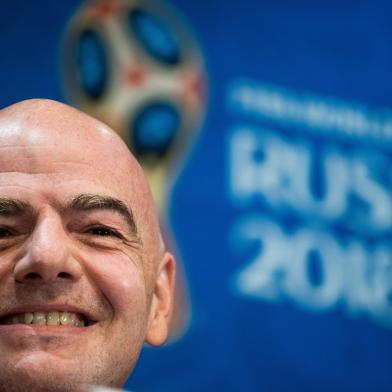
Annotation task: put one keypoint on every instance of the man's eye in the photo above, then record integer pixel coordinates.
(103, 231)
(4, 232)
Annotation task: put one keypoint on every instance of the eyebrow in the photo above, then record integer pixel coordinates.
(86, 202)
(11, 207)
(82, 202)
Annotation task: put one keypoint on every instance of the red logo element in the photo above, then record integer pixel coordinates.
(135, 75)
(103, 9)
(193, 87)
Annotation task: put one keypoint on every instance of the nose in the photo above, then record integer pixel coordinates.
(48, 257)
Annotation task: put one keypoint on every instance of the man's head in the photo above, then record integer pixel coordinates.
(79, 244)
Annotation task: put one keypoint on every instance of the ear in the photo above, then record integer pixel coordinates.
(162, 302)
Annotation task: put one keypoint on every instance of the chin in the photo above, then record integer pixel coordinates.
(32, 374)
(18, 381)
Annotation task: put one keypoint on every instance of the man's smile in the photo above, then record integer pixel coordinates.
(48, 315)
(41, 318)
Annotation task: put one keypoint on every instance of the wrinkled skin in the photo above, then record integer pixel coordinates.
(52, 253)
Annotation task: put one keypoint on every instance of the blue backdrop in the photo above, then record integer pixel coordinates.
(282, 213)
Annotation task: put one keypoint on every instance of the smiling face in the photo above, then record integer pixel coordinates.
(84, 279)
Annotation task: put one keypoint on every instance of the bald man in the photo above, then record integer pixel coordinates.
(84, 276)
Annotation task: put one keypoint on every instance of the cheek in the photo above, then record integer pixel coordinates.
(120, 281)
(8, 260)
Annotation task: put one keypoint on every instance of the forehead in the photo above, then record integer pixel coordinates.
(76, 154)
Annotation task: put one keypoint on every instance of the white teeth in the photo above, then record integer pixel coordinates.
(39, 318)
(73, 319)
(53, 318)
(50, 318)
(65, 318)
(28, 318)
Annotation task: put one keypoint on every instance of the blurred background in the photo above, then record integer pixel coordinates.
(265, 130)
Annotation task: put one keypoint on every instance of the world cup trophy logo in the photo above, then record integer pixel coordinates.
(135, 65)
